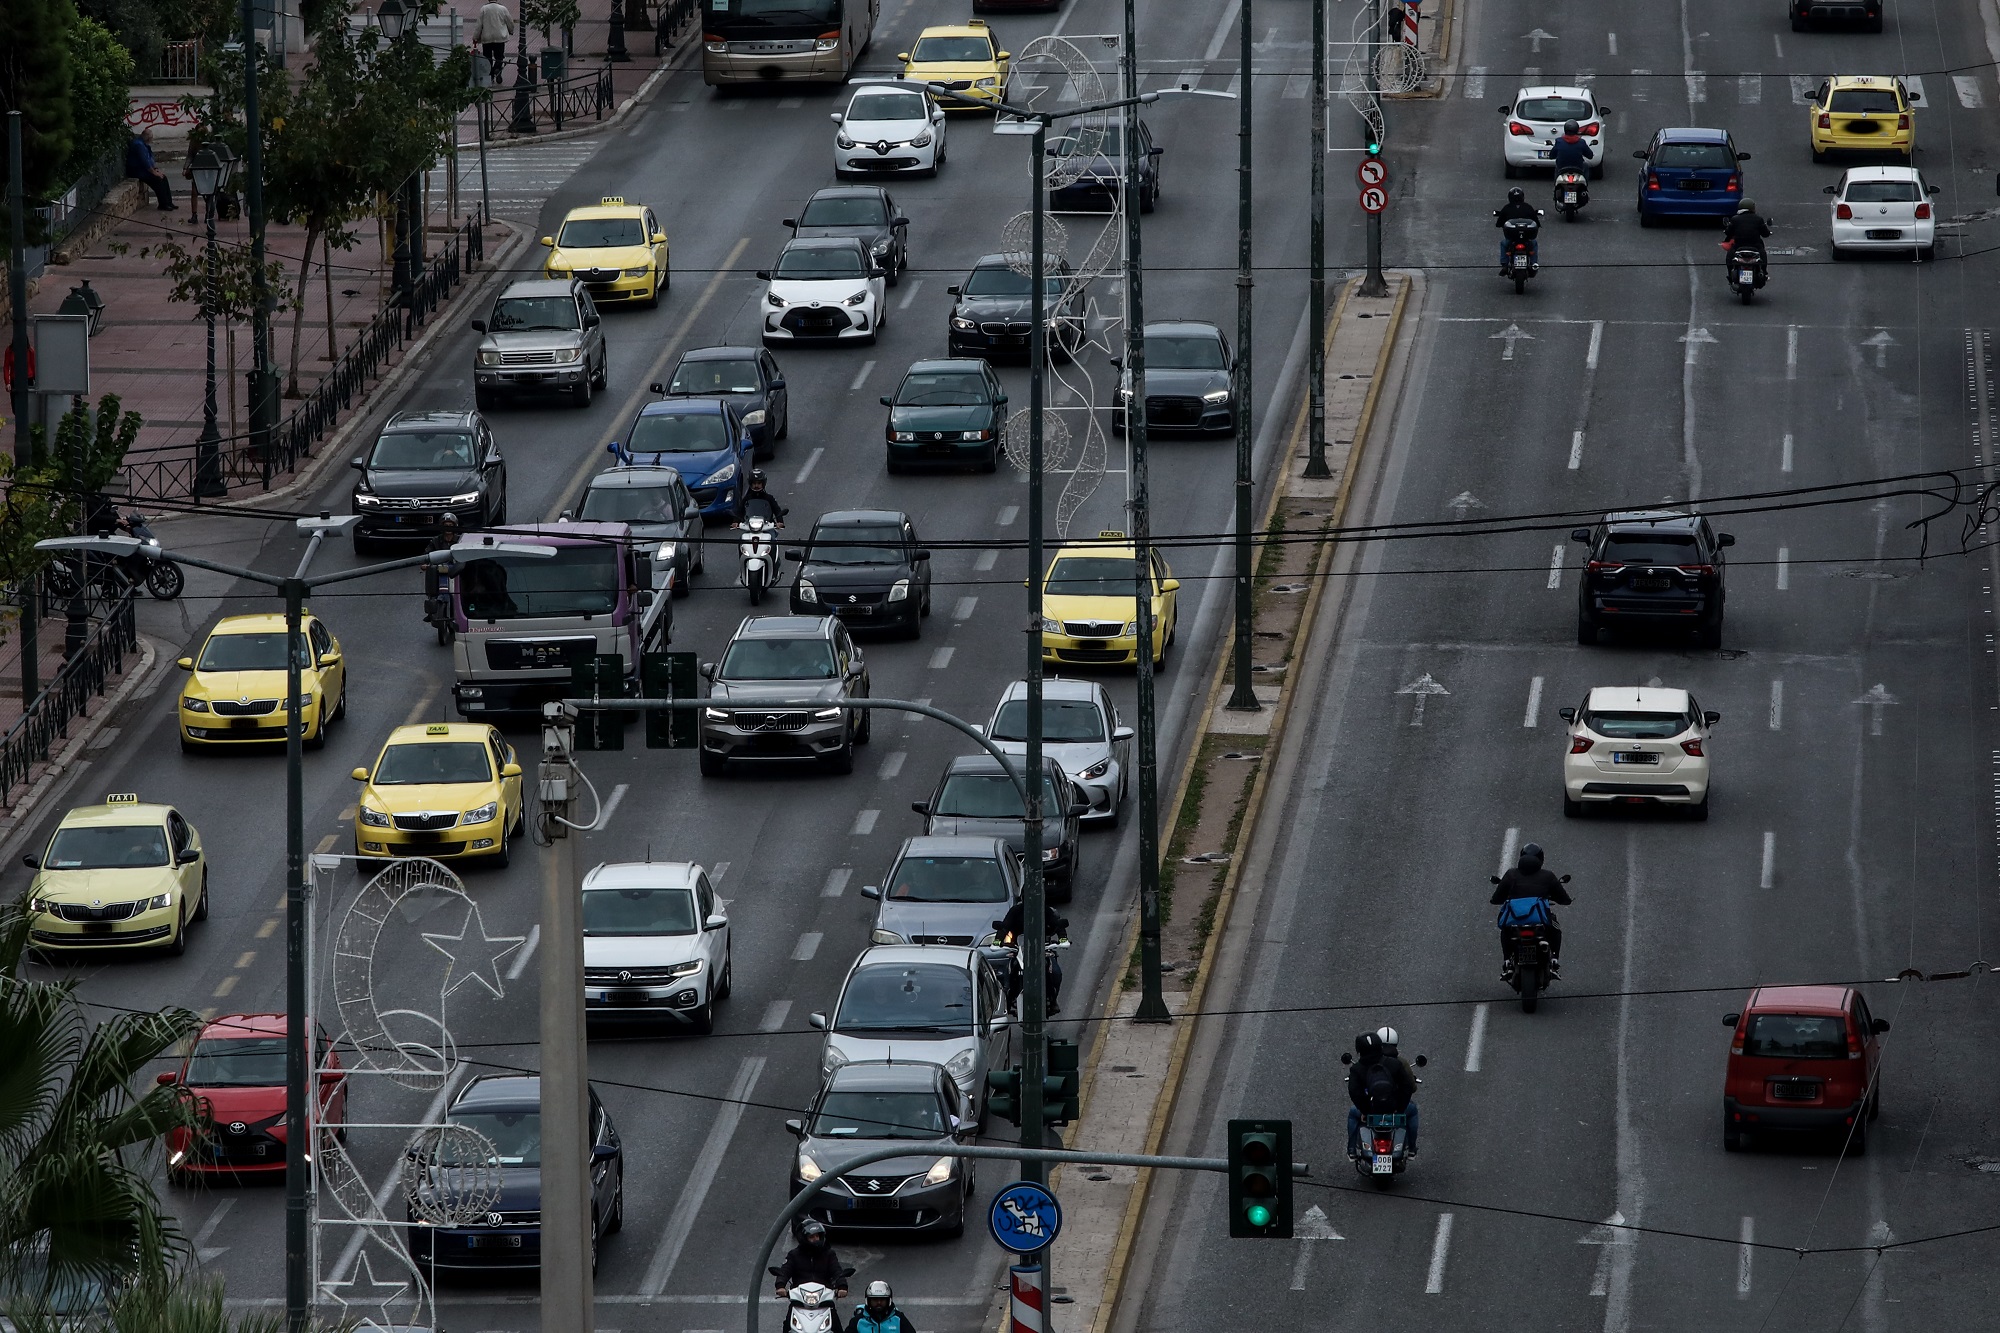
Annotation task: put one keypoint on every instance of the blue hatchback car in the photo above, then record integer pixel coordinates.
(1690, 173)
(705, 440)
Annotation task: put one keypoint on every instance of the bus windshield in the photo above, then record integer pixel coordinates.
(577, 580)
(757, 17)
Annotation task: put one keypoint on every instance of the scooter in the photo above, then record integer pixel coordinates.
(810, 1305)
(1384, 1152)
(1527, 950)
(68, 575)
(1747, 269)
(1572, 193)
(1520, 234)
(758, 562)
(1005, 952)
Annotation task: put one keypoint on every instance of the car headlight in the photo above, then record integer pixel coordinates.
(715, 714)
(807, 593)
(922, 140)
(566, 354)
(826, 714)
(989, 939)
(194, 705)
(901, 591)
(1097, 770)
(775, 299)
(691, 968)
(754, 418)
(808, 1169)
(374, 818)
(1216, 396)
(842, 141)
(727, 472)
(939, 1173)
(986, 83)
(639, 272)
(160, 900)
(859, 298)
(826, 43)
(1050, 627)
(467, 498)
(886, 937)
(489, 358)
(961, 322)
(43, 905)
(960, 1065)
(903, 436)
(975, 435)
(881, 247)
(1131, 629)
(483, 813)
(363, 500)
(558, 272)
(1051, 853)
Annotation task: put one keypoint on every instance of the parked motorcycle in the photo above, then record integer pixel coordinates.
(1528, 960)
(70, 573)
(810, 1306)
(1519, 235)
(759, 563)
(1748, 270)
(1384, 1152)
(1572, 193)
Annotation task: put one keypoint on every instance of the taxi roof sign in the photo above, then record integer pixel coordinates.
(122, 798)
(1111, 534)
(438, 729)
(612, 200)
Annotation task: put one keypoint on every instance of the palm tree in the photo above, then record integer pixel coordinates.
(78, 1207)
(172, 1306)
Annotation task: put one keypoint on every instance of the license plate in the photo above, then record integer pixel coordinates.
(1653, 585)
(1569, 196)
(1545, 153)
(243, 723)
(1694, 185)
(1385, 1164)
(1520, 261)
(1745, 278)
(97, 927)
(1884, 234)
(626, 997)
(1633, 757)
(492, 1242)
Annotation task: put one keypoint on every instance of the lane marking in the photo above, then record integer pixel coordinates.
(987, 559)
(268, 929)
(807, 946)
(395, 1182)
(716, 872)
(1777, 46)
(326, 844)
(1750, 89)
(910, 293)
(1792, 352)
(228, 985)
(1007, 516)
(520, 963)
(422, 706)
(892, 765)
(346, 816)
(1222, 28)
(611, 805)
(1610, 40)
(1764, 874)
(1533, 714)
(1746, 1251)
(1556, 567)
(861, 375)
(695, 1192)
(1697, 86)
(941, 658)
(1778, 705)
(774, 1016)
(1475, 87)
(1510, 847)
(1440, 1250)
(1969, 94)
(1784, 568)
(812, 460)
(836, 881)
(1575, 449)
(244, 959)
(966, 605)
(1475, 1045)
(864, 822)
(1802, 88)
(1639, 87)
(207, 1232)
(1785, 464)
(1915, 84)
(1596, 344)
(790, 103)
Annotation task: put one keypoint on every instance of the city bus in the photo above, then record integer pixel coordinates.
(763, 42)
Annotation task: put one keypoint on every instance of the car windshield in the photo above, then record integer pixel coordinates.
(1650, 548)
(1183, 351)
(937, 389)
(1094, 576)
(595, 233)
(1694, 157)
(107, 847)
(948, 879)
(630, 504)
(516, 1137)
(887, 106)
(1092, 141)
(237, 1062)
(1797, 1037)
(248, 652)
(640, 911)
(900, 997)
(1625, 726)
(857, 546)
(410, 450)
(1063, 720)
(938, 50)
(679, 433)
(1883, 192)
(419, 765)
(779, 659)
(989, 796)
(526, 314)
(879, 1115)
(707, 377)
(843, 211)
(575, 581)
(1553, 108)
(819, 263)
(1864, 102)
(786, 11)
(1001, 280)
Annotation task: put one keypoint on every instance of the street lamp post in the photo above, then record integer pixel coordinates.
(263, 373)
(394, 19)
(1242, 697)
(1316, 466)
(211, 168)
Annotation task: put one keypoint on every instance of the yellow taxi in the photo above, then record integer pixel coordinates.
(442, 790)
(1863, 113)
(235, 692)
(1090, 604)
(619, 250)
(965, 57)
(122, 875)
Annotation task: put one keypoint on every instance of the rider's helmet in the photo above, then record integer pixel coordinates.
(812, 1232)
(1571, 127)
(1387, 1036)
(450, 520)
(757, 478)
(1367, 1046)
(1747, 206)
(880, 1298)
(1516, 195)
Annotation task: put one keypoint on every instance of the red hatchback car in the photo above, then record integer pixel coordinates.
(1803, 1058)
(236, 1070)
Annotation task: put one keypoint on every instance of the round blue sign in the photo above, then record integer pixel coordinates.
(1025, 1217)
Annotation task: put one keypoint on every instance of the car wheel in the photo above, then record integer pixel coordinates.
(1733, 1139)
(1586, 631)
(683, 583)
(501, 859)
(580, 395)
(703, 1021)
(604, 371)
(712, 764)
(1927, 252)
(340, 709)
(1875, 1103)
(1572, 809)
(652, 301)
(616, 1222)
(890, 465)
(1645, 219)
(785, 423)
(957, 1226)
(915, 628)
(1513, 172)
(1818, 156)
(1798, 25)
(925, 608)
(867, 731)
(178, 945)
(483, 400)
(1699, 811)
(1857, 1142)
(842, 760)
(317, 740)
(1709, 635)
(201, 903)
(727, 981)
(1875, 24)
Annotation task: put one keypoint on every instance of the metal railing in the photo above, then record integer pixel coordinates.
(180, 62)
(74, 206)
(83, 677)
(667, 24)
(553, 102)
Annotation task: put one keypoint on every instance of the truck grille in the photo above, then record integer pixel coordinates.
(537, 654)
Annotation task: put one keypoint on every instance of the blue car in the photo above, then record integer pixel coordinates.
(1690, 174)
(703, 439)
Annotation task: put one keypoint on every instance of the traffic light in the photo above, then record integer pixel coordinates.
(669, 676)
(1372, 153)
(1260, 1179)
(1003, 1094)
(1061, 1089)
(598, 676)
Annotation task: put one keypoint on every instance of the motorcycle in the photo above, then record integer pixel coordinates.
(1383, 1153)
(759, 564)
(1520, 234)
(1005, 953)
(68, 574)
(1747, 270)
(1572, 193)
(1527, 948)
(810, 1305)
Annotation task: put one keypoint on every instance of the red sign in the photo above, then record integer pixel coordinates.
(1374, 199)
(1371, 171)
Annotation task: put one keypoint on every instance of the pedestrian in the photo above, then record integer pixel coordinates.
(141, 166)
(490, 35)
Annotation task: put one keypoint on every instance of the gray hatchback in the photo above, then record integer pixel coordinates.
(976, 797)
(945, 891)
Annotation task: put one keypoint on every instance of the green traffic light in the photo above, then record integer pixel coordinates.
(1258, 1215)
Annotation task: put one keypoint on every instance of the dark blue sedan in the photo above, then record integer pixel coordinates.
(1690, 173)
(704, 439)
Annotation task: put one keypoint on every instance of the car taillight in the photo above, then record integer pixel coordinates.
(1591, 129)
(1580, 744)
(1843, 212)
(1604, 566)
(1735, 183)
(1525, 932)
(1652, 181)
(1923, 210)
(1825, 121)
(714, 37)
(1698, 570)
(1902, 122)
(1518, 130)
(1853, 1041)
(1692, 747)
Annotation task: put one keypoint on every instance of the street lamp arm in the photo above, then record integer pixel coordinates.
(1046, 117)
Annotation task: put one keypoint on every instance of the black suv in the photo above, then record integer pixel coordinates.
(807, 661)
(1652, 567)
(423, 466)
(990, 317)
(864, 566)
(865, 212)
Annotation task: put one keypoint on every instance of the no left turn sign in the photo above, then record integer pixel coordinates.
(1374, 199)
(1371, 172)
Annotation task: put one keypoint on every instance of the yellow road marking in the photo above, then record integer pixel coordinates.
(325, 844)
(346, 817)
(423, 705)
(247, 957)
(206, 1012)
(268, 929)
(228, 985)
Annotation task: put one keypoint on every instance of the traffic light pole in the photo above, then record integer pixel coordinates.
(1316, 466)
(1373, 283)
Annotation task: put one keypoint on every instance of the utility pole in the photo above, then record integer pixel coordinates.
(1034, 893)
(1316, 368)
(263, 374)
(1373, 283)
(1242, 697)
(568, 1299)
(24, 443)
(300, 1052)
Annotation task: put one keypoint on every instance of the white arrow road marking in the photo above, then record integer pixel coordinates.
(1537, 37)
(1463, 503)
(1606, 1239)
(209, 1254)
(1695, 340)
(1512, 334)
(1423, 687)
(1881, 342)
(1876, 700)
(1314, 1226)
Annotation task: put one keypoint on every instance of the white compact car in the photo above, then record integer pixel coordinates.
(1535, 119)
(888, 129)
(1883, 208)
(940, 1005)
(824, 289)
(655, 944)
(1637, 745)
(1080, 729)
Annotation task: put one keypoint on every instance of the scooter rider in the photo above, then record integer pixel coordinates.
(1517, 206)
(447, 537)
(1013, 927)
(1571, 151)
(1528, 879)
(760, 503)
(1379, 1083)
(879, 1313)
(813, 1260)
(1748, 227)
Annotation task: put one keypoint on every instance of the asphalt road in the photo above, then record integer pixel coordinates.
(1848, 840)
(707, 1155)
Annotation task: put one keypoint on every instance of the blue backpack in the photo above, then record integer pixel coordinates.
(1524, 912)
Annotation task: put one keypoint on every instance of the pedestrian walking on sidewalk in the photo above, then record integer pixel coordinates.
(490, 35)
(141, 166)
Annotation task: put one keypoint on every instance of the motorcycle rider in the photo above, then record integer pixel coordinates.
(1379, 1083)
(1528, 879)
(1517, 206)
(1748, 227)
(813, 1260)
(1014, 926)
(760, 503)
(1571, 151)
(447, 537)
(880, 1313)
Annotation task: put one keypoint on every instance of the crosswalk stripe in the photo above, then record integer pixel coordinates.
(1802, 88)
(1750, 89)
(1639, 84)
(1969, 94)
(1475, 81)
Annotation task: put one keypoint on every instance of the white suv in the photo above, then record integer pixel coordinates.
(1534, 120)
(655, 943)
(1638, 745)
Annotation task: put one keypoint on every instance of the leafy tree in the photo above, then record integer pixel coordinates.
(546, 14)
(137, 25)
(100, 75)
(34, 80)
(40, 502)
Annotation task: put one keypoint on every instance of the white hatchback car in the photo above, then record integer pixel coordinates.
(1883, 208)
(943, 1006)
(655, 943)
(888, 129)
(1535, 119)
(824, 289)
(1080, 728)
(1637, 745)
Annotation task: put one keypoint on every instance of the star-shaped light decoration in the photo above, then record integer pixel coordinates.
(369, 1296)
(480, 954)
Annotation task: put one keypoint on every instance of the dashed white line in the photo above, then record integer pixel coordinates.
(812, 461)
(836, 881)
(1746, 1251)
(1777, 47)
(1475, 81)
(1556, 566)
(1007, 516)
(1596, 344)
(717, 871)
(1777, 705)
(1440, 1250)
(1533, 715)
(1611, 41)
(1791, 352)
(1770, 865)
(861, 375)
(910, 293)
(694, 1191)
(1475, 1045)
(1222, 30)
(1785, 463)
(1575, 451)
(774, 1016)
(941, 658)
(893, 764)
(611, 805)
(986, 561)
(1510, 846)
(1784, 568)
(864, 822)
(520, 963)
(966, 606)
(807, 946)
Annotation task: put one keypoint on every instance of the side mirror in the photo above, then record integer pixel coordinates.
(1122, 733)
(645, 597)
(186, 857)
(657, 387)
(1079, 807)
(920, 555)
(510, 771)
(715, 921)
(693, 511)
(790, 222)
(878, 273)
(921, 807)
(1170, 585)
(979, 728)
(1604, 111)
(1932, 189)
(1566, 714)
(1829, 189)
(817, 1020)
(902, 55)
(900, 222)
(1506, 108)
(612, 448)
(31, 862)
(872, 891)
(837, 118)
(951, 290)
(185, 663)
(359, 775)
(1743, 157)
(708, 670)
(794, 553)
(1347, 1057)
(777, 384)
(167, 1079)
(1725, 539)
(603, 1152)
(798, 1127)
(887, 401)
(1493, 879)
(357, 463)
(1880, 1025)
(549, 241)
(1731, 1020)
(1001, 401)
(659, 238)
(479, 325)
(1579, 534)
(1914, 97)
(1422, 1060)
(763, 275)
(1639, 153)
(1710, 719)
